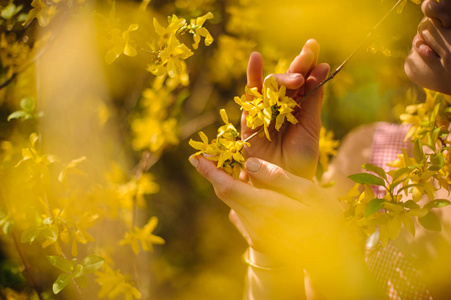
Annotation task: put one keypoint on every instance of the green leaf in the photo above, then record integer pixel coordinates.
(61, 263)
(438, 162)
(79, 271)
(373, 206)
(9, 11)
(365, 178)
(418, 151)
(437, 203)
(27, 104)
(411, 204)
(406, 187)
(373, 168)
(91, 263)
(82, 281)
(430, 221)
(29, 235)
(401, 172)
(61, 282)
(17, 115)
(51, 233)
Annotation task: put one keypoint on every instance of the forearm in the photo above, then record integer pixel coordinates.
(339, 271)
(268, 280)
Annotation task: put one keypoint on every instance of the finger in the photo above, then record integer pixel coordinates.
(254, 80)
(303, 62)
(311, 107)
(248, 201)
(291, 81)
(255, 71)
(275, 178)
(243, 176)
(236, 194)
(313, 45)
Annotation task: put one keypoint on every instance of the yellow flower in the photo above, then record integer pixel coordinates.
(166, 33)
(113, 283)
(143, 236)
(226, 149)
(197, 30)
(154, 134)
(121, 43)
(327, 147)
(233, 54)
(41, 11)
(171, 61)
(263, 108)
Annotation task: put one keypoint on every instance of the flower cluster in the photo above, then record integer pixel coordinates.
(226, 149)
(170, 53)
(411, 178)
(271, 104)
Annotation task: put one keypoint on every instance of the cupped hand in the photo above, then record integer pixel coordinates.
(295, 147)
(296, 223)
(290, 220)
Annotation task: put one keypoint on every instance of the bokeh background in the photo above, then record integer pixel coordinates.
(89, 108)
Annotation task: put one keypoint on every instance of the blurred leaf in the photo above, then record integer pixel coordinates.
(365, 178)
(17, 115)
(418, 151)
(411, 204)
(430, 221)
(437, 203)
(438, 162)
(91, 263)
(29, 235)
(61, 263)
(27, 104)
(373, 206)
(51, 233)
(61, 282)
(373, 168)
(408, 223)
(82, 281)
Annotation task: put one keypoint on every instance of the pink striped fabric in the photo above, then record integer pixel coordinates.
(388, 265)
(388, 141)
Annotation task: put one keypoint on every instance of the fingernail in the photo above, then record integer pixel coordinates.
(193, 160)
(253, 164)
(295, 75)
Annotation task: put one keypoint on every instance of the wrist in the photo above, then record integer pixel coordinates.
(261, 261)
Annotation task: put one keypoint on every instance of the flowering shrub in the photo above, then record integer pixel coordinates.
(92, 98)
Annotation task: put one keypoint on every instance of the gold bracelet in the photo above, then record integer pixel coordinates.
(247, 260)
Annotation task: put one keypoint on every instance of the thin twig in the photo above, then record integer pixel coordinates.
(340, 67)
(26, 266)
(332, 75)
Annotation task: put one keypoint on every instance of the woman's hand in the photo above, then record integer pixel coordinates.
(296, 223)
(294, 147)
(292, 219)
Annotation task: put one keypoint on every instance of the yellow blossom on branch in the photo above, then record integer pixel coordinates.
(226, 149)
(114, 283)
(272, 104)
(197, 30)
(122, 44)
(327, 147)
(143, 236)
